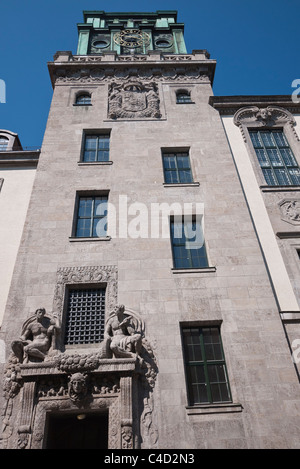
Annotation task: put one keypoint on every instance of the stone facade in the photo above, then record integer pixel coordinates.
(144, 392)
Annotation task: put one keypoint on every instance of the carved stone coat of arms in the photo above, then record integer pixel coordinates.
(133, 100)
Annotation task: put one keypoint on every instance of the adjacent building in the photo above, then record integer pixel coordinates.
(155, 297)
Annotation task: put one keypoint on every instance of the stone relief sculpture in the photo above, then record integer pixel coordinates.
(133, 99)
(50, 377)
(78, 387)
(290, 210)
(253, 116)
(125, 340)
(37, 337)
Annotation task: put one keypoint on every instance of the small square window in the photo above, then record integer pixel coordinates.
(183, 97)
(83, 99)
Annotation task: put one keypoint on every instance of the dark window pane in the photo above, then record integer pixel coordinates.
(83, 228)
(282, 177)
(185, 176)
(295, 176)
(85, 207)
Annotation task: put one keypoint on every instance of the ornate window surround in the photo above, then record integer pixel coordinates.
(269, 118)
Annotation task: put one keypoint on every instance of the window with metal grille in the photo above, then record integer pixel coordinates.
(85, 316)
(275, 157)
(206, 374)
(177, 167)
(96, 148)
(91, 217)
(188, 245)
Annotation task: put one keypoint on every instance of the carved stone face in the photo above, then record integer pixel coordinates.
(40, 313)
(77, 387)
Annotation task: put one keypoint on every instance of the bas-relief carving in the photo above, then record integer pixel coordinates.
(253, 116)
(290, 211)
(133, 99)
(157, 73)
(45, 372)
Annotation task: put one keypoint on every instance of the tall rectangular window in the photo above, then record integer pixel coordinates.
(96, 148)
(188, 244)
(85, 320)
(91, 219)
(205, 366)
(177, 167)
(275, 157)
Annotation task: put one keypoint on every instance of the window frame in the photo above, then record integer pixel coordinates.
(93, 195)
(104, 133)
(182, 93)
(204, 364)
(191, 266)
(81, 94)
(271, 168)
(177, 153)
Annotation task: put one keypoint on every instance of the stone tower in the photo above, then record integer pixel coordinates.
(141, 313)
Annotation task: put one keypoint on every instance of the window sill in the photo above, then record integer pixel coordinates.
(213, 409)
(279, 188)
(190, 102)
(102, 238)
(92, 163)
(194, 271)
(81, 105)
(182, 184)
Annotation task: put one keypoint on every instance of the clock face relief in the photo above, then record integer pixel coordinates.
(132, 38)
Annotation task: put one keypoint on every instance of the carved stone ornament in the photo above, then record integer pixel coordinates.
(192, 73)
(78, 387)
(133, 99)
(255, 117)
(119, 373)
(290, 211)
(37, 337)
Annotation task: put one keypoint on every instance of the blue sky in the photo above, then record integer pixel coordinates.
(255, 43)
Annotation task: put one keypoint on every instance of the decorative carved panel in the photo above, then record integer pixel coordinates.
(255, 117)
(133, 99)
(290, 211)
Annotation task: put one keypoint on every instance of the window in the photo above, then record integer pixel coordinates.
(205, 367)
(177, 168)
(3, 143)
(83, 99)
(91, 217)
(96, 148)
(188, 245)
(85, 320)
(183, 97)
(275, 157)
